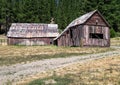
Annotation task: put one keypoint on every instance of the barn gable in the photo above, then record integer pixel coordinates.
(97, 19)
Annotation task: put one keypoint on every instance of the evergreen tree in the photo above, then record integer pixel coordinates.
(63, 11)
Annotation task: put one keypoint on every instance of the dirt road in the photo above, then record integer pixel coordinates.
(17, 72)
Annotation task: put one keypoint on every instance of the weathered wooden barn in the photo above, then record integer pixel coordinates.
(32, 34)
(90, 29)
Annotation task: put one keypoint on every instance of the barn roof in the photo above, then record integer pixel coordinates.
(81, 20)
(29, 30)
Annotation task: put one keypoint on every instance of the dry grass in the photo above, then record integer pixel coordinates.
(17, 54)
(12, 51)
(3, 36)
(37, 50)
(101, 72)
(98, 72)
(115, 41)
(104, 71)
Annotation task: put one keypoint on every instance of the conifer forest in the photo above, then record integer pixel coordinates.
(63, 11)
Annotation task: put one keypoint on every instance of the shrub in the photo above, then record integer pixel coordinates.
(118, 34)
(112, 33)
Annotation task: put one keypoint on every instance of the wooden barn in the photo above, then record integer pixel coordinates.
(32, 34)
(90, 29)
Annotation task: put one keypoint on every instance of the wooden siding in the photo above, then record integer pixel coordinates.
(30, 41)
(96, 19)
(97, 42)
(79, 35)
(69, 39)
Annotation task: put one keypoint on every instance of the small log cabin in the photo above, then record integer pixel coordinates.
(32, 34)
(90, 29)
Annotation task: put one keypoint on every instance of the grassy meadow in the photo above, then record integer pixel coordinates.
(104, 71)
(98, 72)
(115, 41)
(22, 54)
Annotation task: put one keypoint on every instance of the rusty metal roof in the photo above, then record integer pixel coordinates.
(81, 20)
(29, 30)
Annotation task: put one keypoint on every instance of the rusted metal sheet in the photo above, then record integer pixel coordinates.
(29, 30)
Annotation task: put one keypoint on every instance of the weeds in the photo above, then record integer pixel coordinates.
(8, 82)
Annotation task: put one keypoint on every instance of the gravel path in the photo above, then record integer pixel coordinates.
(17, 72)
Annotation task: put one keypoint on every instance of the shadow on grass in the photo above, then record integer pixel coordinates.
(54, 80)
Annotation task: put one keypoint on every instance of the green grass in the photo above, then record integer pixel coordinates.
(57, 81)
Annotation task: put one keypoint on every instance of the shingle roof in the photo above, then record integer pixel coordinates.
(29, 30)
(81, 20)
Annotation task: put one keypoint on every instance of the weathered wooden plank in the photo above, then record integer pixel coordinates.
(94, 32)
(30, 41)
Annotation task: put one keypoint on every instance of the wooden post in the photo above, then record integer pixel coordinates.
(81, 42)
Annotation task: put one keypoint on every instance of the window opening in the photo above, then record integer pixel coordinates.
(96, 35)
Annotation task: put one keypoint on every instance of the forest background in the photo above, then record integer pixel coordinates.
(63, 12)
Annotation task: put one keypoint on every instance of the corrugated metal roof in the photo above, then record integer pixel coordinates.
(29, 30)
(81, 20)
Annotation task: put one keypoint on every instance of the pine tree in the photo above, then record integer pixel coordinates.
(63, 11)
